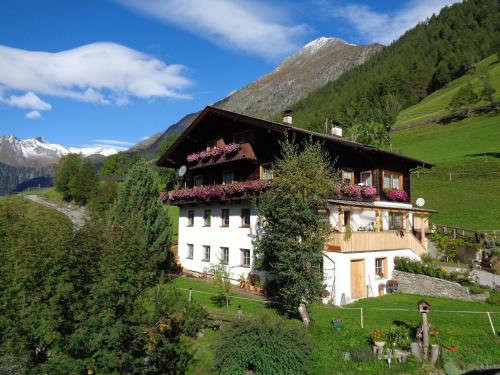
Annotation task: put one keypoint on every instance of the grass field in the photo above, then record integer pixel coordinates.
(434, 106)
(469, 150)
(469, 333)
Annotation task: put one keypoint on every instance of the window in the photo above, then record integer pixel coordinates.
(395, 220)
(225, 217)
(266, 172)
(366, 178)
(190, 218)
(224, 255)
(206, 253)
(245, 217)
(347, 218)
(198, 180)
(393, 181)
(245, 257)
(227, 177)
(206, 218)
(211, 144)
(348, 177)
(190, 251)
(246, 136)
(380, 268)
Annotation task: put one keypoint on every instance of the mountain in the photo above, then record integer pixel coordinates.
(423, 60)
(37, 152)
(30, 162)
(317, 63)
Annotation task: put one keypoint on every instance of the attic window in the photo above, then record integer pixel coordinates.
(246, 136)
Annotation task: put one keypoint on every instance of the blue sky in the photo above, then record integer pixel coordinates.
(112, 72)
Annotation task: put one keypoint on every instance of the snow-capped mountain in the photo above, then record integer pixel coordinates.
(318, 62)
(37, 152)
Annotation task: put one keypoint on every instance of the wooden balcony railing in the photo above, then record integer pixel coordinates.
(372, 241)
(245, 152)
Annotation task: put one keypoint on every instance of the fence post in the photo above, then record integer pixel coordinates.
(491, 323)
(450, 176)
(362, 323)
(190, 292)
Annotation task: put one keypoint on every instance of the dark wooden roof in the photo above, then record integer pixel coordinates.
(165, 160)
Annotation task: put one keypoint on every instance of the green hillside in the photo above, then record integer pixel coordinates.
(469, 150)
(434, 106)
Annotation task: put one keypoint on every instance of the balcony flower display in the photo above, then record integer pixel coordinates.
(215, 152)
(351, 190)
(369, 191)
(397, 195)
(215, 192)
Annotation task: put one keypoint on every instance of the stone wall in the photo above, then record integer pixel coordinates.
(412, 283)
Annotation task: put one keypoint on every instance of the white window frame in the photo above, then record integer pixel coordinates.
(223, 224)
(244, 258)
(370, 178)
(380, 270)
(207, 220)
(190, 218)
(223, 258)
(190, 251)
(205, 249)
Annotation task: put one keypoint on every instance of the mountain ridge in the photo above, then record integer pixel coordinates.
(318, 62)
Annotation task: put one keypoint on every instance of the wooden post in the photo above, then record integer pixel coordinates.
(425, 336)
(422, 231)
(341, 220)
(378, 226)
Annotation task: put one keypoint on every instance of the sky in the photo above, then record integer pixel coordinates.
(113, 72)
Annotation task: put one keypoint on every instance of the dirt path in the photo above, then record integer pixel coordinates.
(75, 213)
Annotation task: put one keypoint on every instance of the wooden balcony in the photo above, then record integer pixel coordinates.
(246, 152)
(373, 241)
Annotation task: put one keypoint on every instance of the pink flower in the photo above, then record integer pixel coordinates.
(369, 191)
(193, 157)
(397, 195)
(350, 190)
(231, 148)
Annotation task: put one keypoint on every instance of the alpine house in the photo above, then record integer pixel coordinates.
(225, 160)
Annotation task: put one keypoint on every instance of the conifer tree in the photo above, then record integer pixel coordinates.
(291, 235)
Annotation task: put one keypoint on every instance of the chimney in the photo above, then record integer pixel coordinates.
(287, 117)
(336, 130)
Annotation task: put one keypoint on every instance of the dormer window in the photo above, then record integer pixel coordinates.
(347, 177)
(246, 136)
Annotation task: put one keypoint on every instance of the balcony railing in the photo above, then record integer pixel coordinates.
(222, 155)
(214, 193)
(373, 241)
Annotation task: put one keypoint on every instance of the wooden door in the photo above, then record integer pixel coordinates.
(358, 288)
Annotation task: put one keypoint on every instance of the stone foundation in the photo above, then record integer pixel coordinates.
(413, 283)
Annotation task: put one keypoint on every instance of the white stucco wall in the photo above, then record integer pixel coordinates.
(234, 237)
(338, 265)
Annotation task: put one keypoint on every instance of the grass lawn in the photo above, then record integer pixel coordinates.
(470, 333)
(470, 151)
(433, 107)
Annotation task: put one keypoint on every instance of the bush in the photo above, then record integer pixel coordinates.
(494, 298)
(361, 353)
(415, 266)
(476, 289)
(264, 346)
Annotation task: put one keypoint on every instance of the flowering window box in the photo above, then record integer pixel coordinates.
(244, 189)
(355, 192)
(396, 195)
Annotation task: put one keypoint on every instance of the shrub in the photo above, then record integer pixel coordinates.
(361, 353)
(494, 298)
(476, 289)
(415, 266)
(264, 346)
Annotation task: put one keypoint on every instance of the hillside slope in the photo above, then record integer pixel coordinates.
(423, 60)
(464, 184)
(320, 61)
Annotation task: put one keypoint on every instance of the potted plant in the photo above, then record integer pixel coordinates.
(325, 295)
(378, 338)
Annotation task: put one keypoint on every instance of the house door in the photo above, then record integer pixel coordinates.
(358, 289)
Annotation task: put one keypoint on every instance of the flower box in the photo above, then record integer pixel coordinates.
(396, 195)
(227, 150)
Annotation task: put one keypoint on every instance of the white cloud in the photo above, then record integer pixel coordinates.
(33, 115)
(384, 28)
(250, 26)
(113, 142)
(100, 73)
(27, 101)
